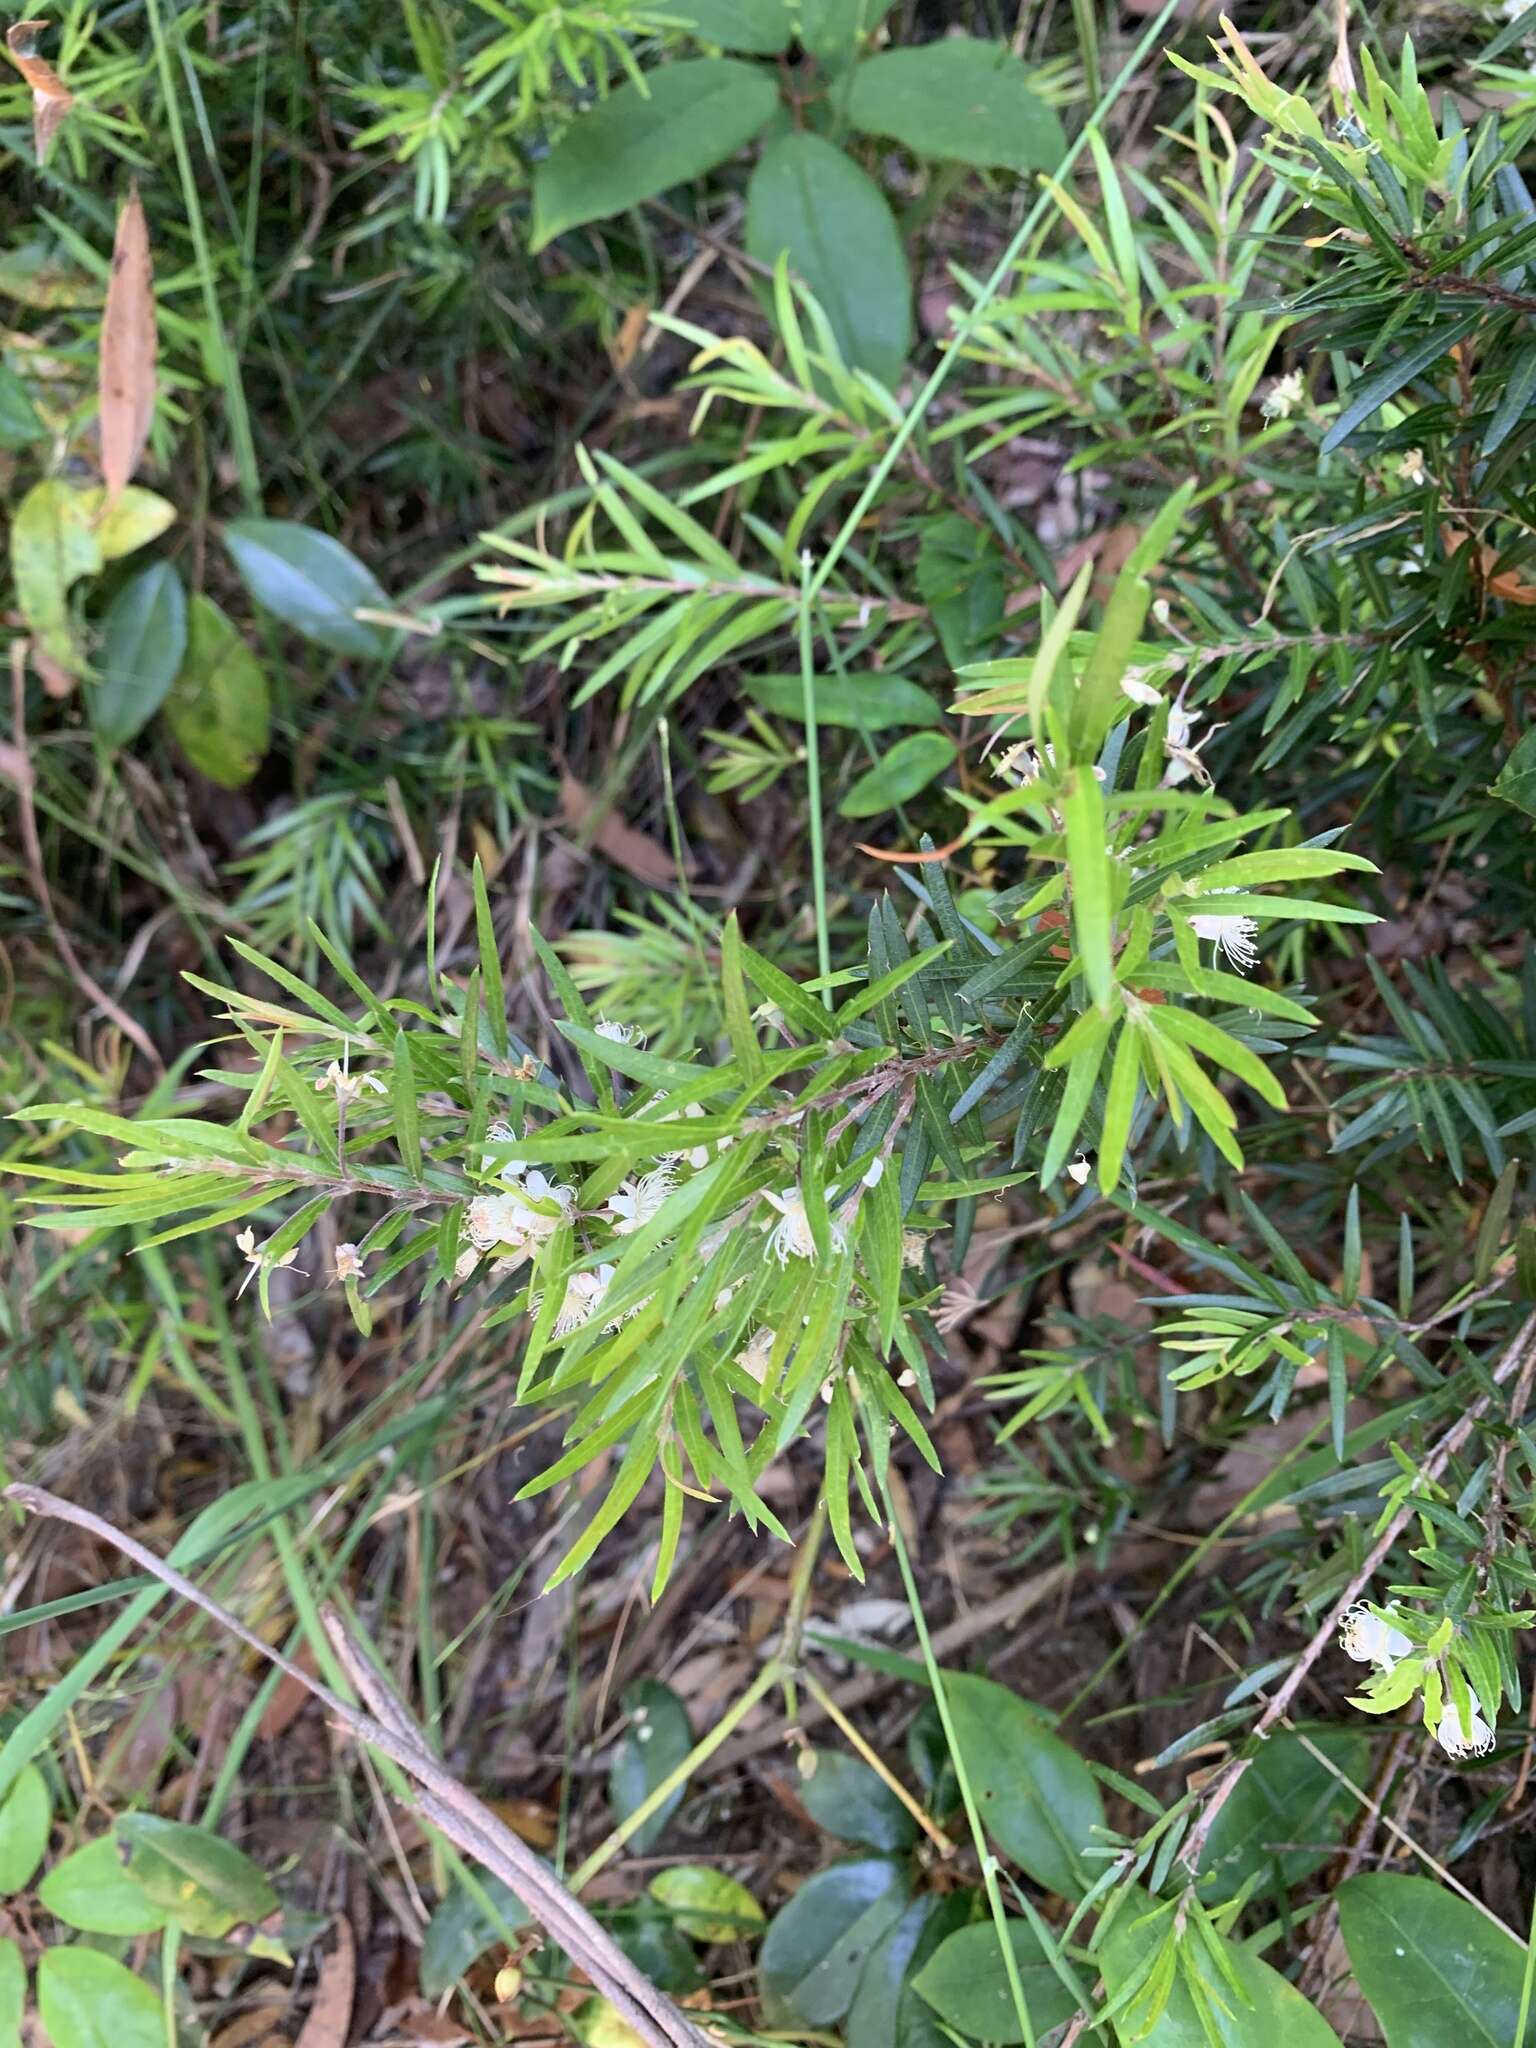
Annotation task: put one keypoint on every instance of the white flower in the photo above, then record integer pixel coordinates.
(696, 1156)
(637, 1201)
(347, 1087)
(1022, 765)
(1370, 1640)
(754, 1356)
(1230, 935)
(1183, 758)
(465, 1263)
(1079, 1170)
(256, 1258)
(493, 1163)
(349, 1263)
(1411, 469)
(1285, 394)
(913, 1243)
(619, 1034)
(1134, 685)
(1476, 1739)
(583, 1293)
(791, 1236)
(527, 1214)
(874, 1173)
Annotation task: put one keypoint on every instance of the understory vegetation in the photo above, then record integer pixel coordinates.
(768, 1025)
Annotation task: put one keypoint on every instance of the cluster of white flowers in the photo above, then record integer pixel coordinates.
(790, 1238)
(1368, 1639)
(1285, 395)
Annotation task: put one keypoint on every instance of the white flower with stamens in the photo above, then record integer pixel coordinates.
(1232, 936)
(1183, 756)
(791, 1236)
(635, 1202)
(493, 1164)
(256, 1258)
(583, 1295)
(1476, 1739)
(349, 1263)
(348, 1087)
(1370, 1640)
(618, 1034)
(1285, 395)
(527, 1214)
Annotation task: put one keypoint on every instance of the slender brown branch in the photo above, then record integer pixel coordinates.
(454, 1811)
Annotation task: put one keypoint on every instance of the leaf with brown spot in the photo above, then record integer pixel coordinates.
(126, 370)
(634, 851)
(51, 97)
(330, 2013)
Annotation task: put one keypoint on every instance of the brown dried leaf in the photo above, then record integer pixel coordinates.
(635, 852)
(330, 2013)
(126, 372)
(51, 97)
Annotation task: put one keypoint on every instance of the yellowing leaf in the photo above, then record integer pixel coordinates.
(218, 707)
(53, 544)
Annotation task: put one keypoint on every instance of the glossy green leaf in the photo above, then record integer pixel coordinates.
(887, 2011)
(1374, 391)
(634, 145)
(658, 1738)
(1286, 1811)
(1516, 782)
(1270, 2013)
(850, 1800)
(1038, 1799)
(86, 2000)
(13, 1992)
(761, 27)
(809, 201)
(309, 581)
(814, 1952)
(657, 1945)
(958, 99)
(143, 640)
(19, 423)
(91, 1890)
(1435, 1970)
(966, 1983)
(960, 579)
(26, 1815)
(218, 707)
(463, 1927)
(206, 1884)
(831, 30)
(707, 1905)
(902, 772)
(860, 703)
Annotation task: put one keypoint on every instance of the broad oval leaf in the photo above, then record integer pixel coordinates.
(143, 639)
(1038, 1799)
(1284, 1803)
(1435, 1969)
(310, 581)
(13, 1993)
(206, 1884)
(26, 1814)
(960, 579)
(657, 1946)
(809, 201)
(218, 707)
(129, 521)
(657, 1740)
(1272, 2014)
(86, 2000)
(814, 1953)
(634, 145)
(53, 544)
(887, 2011)
(706, 1904)
(904, 771)
(968, 101)
(860, 703)
(462, 1929)
(1516, 782)
(761, 27)
(967, 1985)
(91, 1890)
(831, 30)
(850, 1800)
